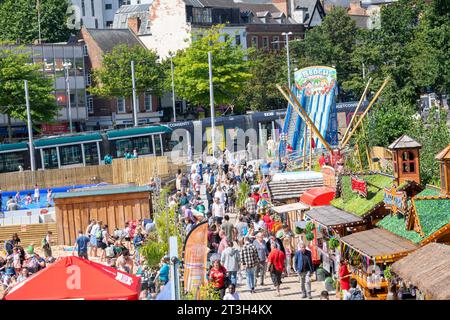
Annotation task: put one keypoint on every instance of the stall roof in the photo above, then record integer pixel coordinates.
(140, 131)
(101, 192)
(8, 147)
(379, 244)
(330, 216)
(67, 140)
(290, 207)
(428, 268)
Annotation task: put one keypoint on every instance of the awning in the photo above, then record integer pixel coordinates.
(379, 244)
(11, 147)
(332, 217)
(299, 206)
(320, 196)
(136, 132)
(67, 140)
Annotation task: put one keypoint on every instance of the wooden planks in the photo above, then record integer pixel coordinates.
(32, 234)
(140, 170)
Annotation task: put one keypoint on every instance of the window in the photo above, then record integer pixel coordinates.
(408, 162)
(83, 8)
(143, 145)
(276, 43)
(79, 67)
(109, 24)
(158, 151)
(70, 155)
(88, 79)
(255, 41)
(50, 158)
(201, 15)
(10, 162)
(148, 102)
(265, 43)
(108, 6)
(238, 40)
(85, 50)
(93, 8)
(91, 154)
(121, 105)
(121, 146)
(90, 105)
(96, 23)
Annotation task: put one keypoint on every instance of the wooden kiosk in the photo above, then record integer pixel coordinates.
(112, 206)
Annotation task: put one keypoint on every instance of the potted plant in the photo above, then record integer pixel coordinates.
(299, 230)
(333, 243)
(309, 236)
(329, 284)
(320, 272)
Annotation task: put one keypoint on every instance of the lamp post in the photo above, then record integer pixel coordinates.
(173, 91)
(66, 66)
(135, 111)
(30, 128)
(211, 101)
(287, 34)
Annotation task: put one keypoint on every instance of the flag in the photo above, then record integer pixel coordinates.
(313, 143)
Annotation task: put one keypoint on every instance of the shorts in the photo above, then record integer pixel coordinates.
(276, 277)
(83, 255)
(127, 239)
(101, 245)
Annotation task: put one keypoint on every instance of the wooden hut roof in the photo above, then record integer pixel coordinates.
(444, 154)
(428, 268)
(330, 216)
(101, 192)
(379, 244)
(404, 142)
(290, 207)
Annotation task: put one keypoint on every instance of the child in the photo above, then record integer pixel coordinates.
(17, 197)
(49, 196)
(37, 196)
(16, 260)
(28, 199)
(324, 295)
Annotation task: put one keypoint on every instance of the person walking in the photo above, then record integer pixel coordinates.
(228, 228)
(46, 245)
(217, 277)
(230, 260)
(250, 205)
(249, 260)
(261, 247)
(276, 261)
(218, 210)
(81, 244)
(304, 267)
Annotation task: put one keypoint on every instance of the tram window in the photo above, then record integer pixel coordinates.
(10, 162)
(168, 144)
(50, 158)
(70, 155)
(91, 153)
(143, 145)
(157, 145)
(121, 146)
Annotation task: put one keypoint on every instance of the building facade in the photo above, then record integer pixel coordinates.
(52, 57)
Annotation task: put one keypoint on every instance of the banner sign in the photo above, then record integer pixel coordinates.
(395, 200)
(195, 257)
(359, 186)
(316, 80)
(54, 128)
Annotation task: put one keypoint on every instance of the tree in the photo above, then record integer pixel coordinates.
(229, 64)
(330, 44)
(259, 92)
(19, 20)
(14, 69)
(114, 78)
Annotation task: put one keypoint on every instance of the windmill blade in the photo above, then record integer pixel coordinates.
(363, 96)
(344, 143)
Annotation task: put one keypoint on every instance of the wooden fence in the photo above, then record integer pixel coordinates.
(53, 178)
(140, 170)
(122, 171)
(28, 234)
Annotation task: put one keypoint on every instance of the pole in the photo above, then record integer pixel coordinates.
(68, 98)
(211, 102)
(38, 8)
(304, 146)
(310, 150)
(30, 128)
(135, 115)
(288, 59)
(173, 92)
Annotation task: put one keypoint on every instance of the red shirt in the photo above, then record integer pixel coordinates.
(321, 161)
(345, 283)
(277, 258)
(217, 277)
(256, 197)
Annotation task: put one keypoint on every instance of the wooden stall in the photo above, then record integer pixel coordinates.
(369, 253)
(113, 206)
(291, 213)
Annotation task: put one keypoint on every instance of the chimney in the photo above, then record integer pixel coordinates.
(134, 24)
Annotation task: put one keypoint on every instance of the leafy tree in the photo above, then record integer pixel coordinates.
(259, 92)
(230, 69)
(19, 20)
(330, 44)
(14, 68)
(114, 78)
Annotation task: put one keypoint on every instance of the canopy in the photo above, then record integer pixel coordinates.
(332, 217)
(298, 206)
(73, 278)
(320, 196)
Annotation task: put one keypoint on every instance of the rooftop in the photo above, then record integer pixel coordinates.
(403, 142)
(101, 192)
(444, 154)
(352, 202)
(330, 216)
(107, 39)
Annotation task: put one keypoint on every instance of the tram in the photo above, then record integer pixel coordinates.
(89, 148)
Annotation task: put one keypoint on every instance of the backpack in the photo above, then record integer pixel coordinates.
(356, 295)
(98, 234)
(9, 247)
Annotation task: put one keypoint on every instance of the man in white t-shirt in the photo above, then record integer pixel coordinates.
(218, 210)
(220, 194)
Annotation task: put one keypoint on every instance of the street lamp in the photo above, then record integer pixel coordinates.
(287, 34)
(67, 66)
